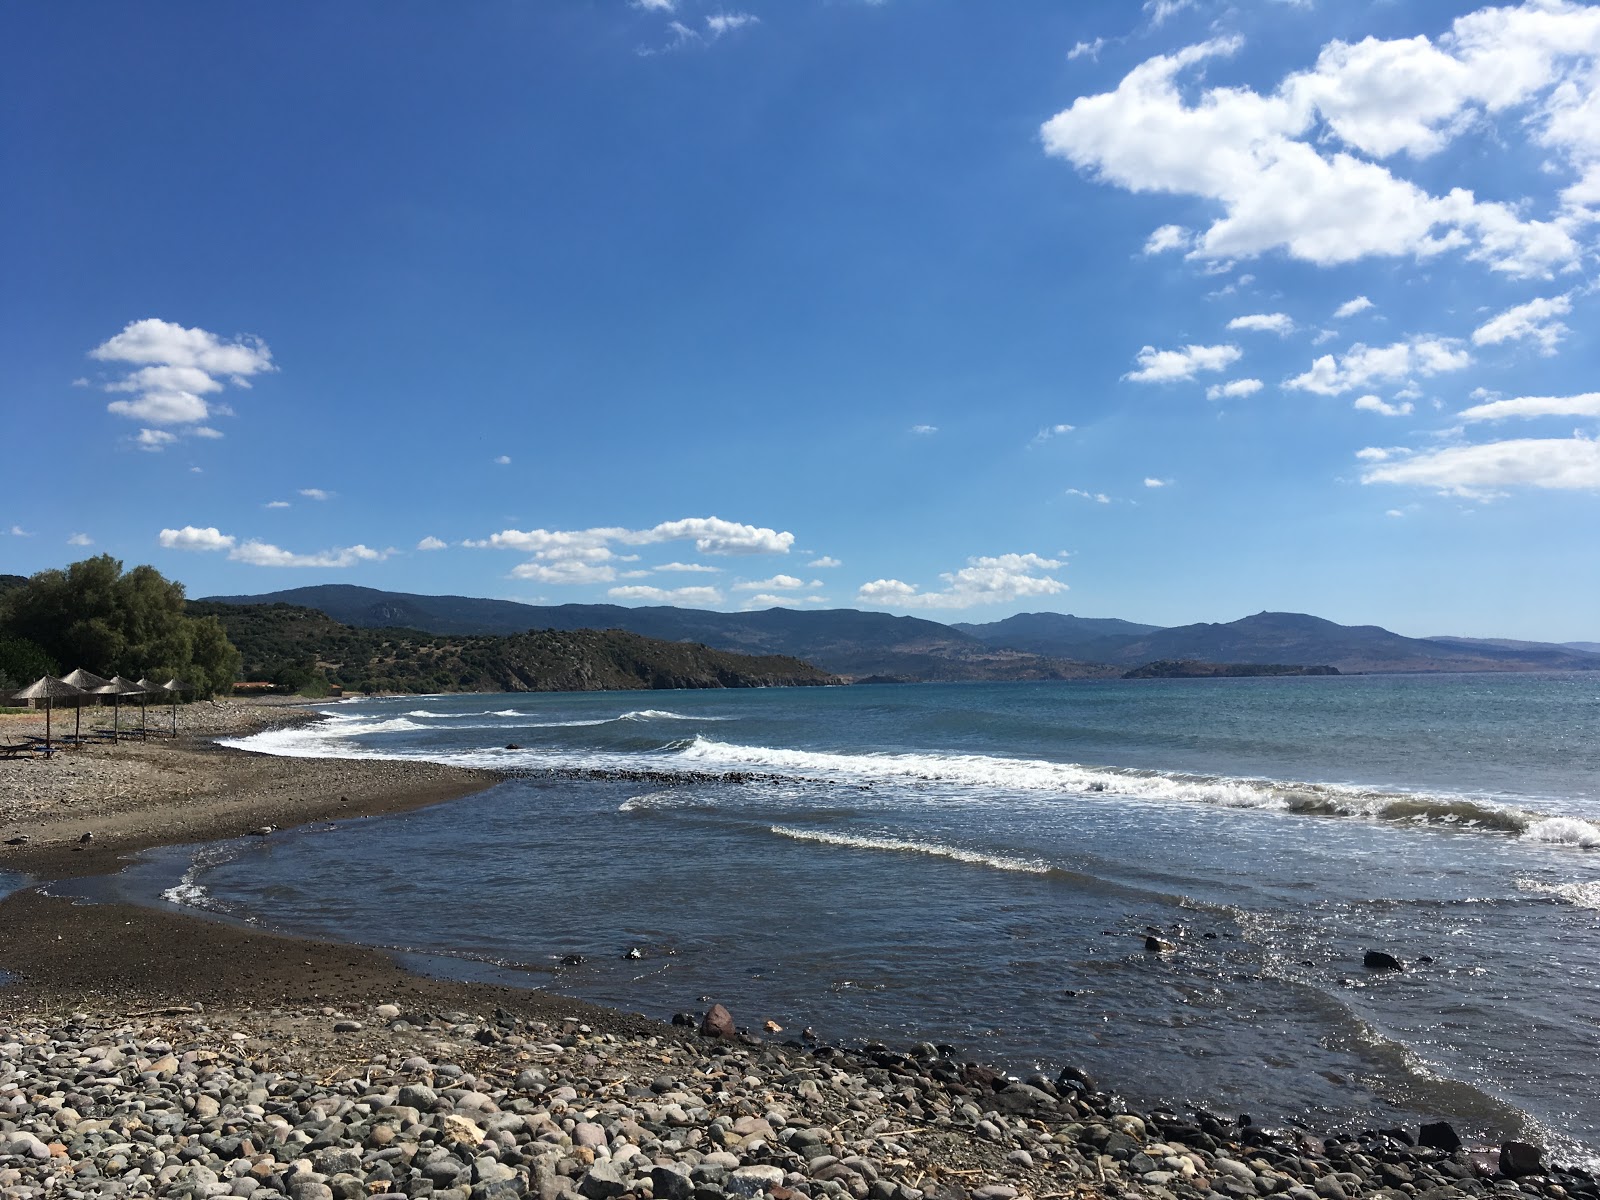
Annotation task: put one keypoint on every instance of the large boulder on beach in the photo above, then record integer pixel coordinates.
(718, 1023)
(1519, 1158)
(1439, 1135)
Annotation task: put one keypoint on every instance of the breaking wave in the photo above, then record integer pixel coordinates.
(998, 862)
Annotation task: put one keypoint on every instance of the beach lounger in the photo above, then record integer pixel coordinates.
(15, 749)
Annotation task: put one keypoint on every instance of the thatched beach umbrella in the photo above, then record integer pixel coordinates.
(172, 687)
(49, 689)
(117, 688)
(88, 682)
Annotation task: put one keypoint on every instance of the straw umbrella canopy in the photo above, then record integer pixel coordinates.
(117, 689)
(49, 689)
(88, 682)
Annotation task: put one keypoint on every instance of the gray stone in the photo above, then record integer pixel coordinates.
(749, 1181)
(587, 1133)
(419, 1096)
(601, 1182)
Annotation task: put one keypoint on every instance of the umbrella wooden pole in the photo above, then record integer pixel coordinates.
(48, 705)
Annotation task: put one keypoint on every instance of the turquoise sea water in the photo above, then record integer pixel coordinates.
(982, 863)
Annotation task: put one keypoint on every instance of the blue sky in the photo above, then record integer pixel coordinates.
(959, 309)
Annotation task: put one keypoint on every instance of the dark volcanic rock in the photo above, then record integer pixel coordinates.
(1378, 960)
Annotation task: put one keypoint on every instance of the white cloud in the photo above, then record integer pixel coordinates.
(694, 597)
(154, 440)
(80, 539)
(19, 531)
(721, 23)
(1378, 453)
(551, 549)
(824, 561)
(1160, 10)
(1279, 185)
(1534, 321)
(713, 535)
(1278, 323)
(924, 430)
(1171, 366)
(1394, 512)
(786, 583)
(1097, 497)
(1481, 471)
(1168, 237)
(1585, 405)
(1363, 365)
(174, 369)
(1351, 307)
(432, 543)
(1233, 388)
(985, 580)
(503, 460)
(317, 494)
(265, 554)
(1374, 404)
(1157, 483)
(564, 570)
(694, 568)
(1050, 431)
(1086, 49)
(192, 537)
(276, 504)
(656, 5)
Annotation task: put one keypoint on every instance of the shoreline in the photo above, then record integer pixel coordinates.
(961, 1131)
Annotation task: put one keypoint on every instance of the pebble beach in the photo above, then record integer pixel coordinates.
(145, 1052)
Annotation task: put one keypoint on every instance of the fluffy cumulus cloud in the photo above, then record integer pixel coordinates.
(1051, 431)
(584, 555)
(170, 371)
(431, 543)
(1167, 237)
(80, 539)
(690, 568)
(691, 597)
(784, 583)
(264, 554)
(1233, 389)
(1351, 307)
(564, 570)
(825, 561)
(1536, 322)
(1174, 366)
(192, 537)
(1278, 323)
(1308, 166)
(1363, 366)
(316, 493)
(989, 580)
(1585, 405)
(1382, 407)
(1483, 471)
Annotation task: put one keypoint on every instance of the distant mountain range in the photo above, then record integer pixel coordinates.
(1027, 646)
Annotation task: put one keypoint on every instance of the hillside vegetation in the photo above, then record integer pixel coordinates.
(303, 648)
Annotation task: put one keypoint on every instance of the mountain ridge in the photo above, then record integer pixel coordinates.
(855, 643)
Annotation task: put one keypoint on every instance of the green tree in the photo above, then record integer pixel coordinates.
(21, 662)
(94, 615)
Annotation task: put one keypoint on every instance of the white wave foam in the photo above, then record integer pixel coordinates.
(662, 714)
(1582, 893)
(999, 862)
(1564, 831)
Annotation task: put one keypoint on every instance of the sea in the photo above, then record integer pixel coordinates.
(984, 864)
